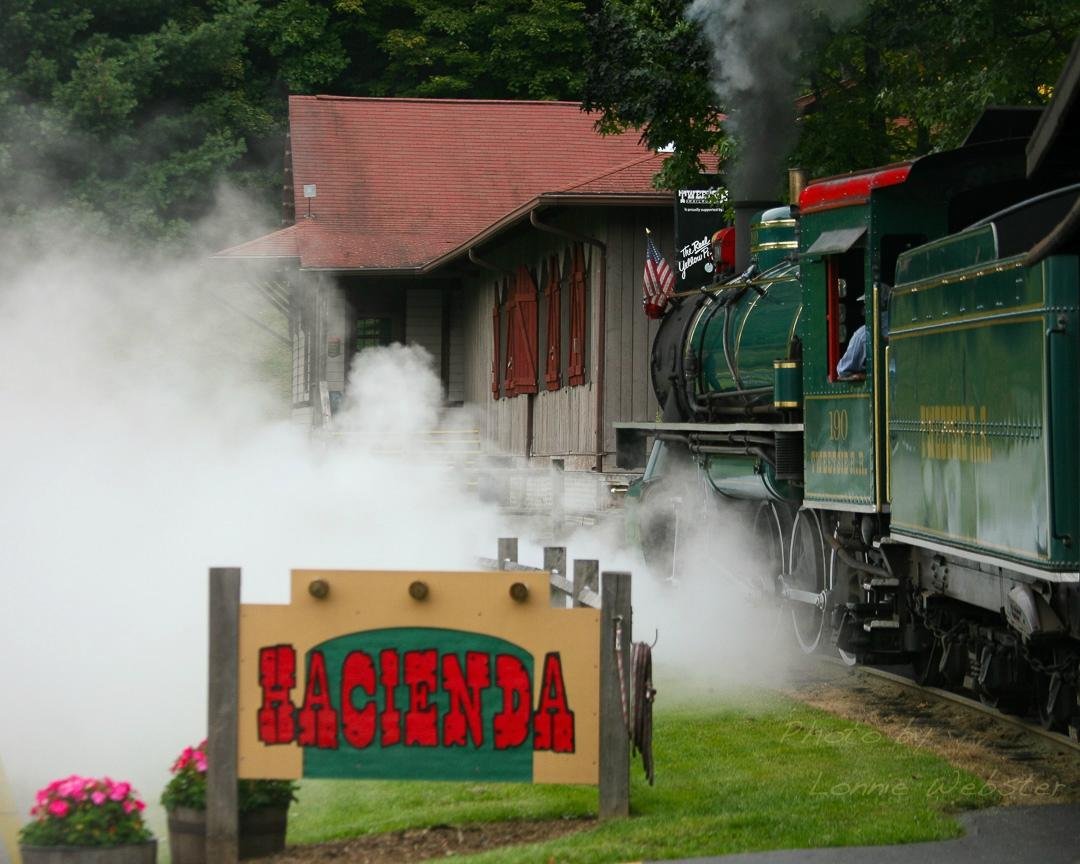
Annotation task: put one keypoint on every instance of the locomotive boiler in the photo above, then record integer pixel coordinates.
(921, 502)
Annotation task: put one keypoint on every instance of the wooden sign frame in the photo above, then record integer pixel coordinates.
(224, 733)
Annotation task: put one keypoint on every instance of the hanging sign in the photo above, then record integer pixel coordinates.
(699, 213)
(434, 676)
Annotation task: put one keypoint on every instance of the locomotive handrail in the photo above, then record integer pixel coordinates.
(1066, 539)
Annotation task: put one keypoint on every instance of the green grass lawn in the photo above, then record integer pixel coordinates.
(732, 775)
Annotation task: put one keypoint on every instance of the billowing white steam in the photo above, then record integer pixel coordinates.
(141, 445)
(144, 441)
(758, 48)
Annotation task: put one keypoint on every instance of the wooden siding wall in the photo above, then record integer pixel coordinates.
(563, 421)
(455, 388)
(424, 322)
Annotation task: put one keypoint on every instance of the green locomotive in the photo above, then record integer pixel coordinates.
(921, 501)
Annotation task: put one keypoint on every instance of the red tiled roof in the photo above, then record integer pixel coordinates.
(402, 183)
(280, 244)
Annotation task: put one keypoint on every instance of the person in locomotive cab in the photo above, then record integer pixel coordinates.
(853, 363)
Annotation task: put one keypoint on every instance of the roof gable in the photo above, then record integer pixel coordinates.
(403, 183)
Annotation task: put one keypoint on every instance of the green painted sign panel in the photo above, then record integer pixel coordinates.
(838, 464)
(468, 695)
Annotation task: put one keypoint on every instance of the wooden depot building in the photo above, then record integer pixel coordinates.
(506, 238)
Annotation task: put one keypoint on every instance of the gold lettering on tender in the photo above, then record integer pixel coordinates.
(847, 462)
(957, 433)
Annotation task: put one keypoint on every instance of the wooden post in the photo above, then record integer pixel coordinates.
(508, 550)
(221, 795)
(555, 564)
(615, 635)
(558, 497)
(586, 575)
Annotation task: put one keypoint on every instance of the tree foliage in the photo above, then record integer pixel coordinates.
(906, 77)
(129, 112)
(648, 69)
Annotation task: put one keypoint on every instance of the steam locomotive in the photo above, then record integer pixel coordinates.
(925, 506)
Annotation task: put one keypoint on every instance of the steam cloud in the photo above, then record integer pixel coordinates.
(757, 51)
(144, 441)
(141, 445)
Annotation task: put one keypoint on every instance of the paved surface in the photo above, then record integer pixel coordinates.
(1047, 834)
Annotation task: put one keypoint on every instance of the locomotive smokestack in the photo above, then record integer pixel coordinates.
(745, 211)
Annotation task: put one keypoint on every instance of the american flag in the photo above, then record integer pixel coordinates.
(659, 282)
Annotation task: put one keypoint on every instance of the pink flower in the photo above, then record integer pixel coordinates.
(200, 763)
(119, 792)
(98, 797)
(139, 805)
(129, 806)
(59, 808)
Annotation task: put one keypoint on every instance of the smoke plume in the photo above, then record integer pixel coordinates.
(758, 50)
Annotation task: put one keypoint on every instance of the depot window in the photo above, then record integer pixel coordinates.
(373, 332)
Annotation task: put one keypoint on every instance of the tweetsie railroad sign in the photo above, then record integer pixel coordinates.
(431, 676)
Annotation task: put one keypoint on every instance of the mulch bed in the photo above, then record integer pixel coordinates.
(424, 844)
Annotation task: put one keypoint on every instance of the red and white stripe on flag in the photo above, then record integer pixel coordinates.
(658, 283)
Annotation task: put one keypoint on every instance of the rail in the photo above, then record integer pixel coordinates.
(1059, 740)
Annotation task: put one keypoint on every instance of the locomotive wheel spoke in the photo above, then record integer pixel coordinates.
(770, 539)
(807, 569)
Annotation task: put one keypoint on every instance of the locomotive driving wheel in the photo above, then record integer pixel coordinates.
(771, 530)
(805, 587)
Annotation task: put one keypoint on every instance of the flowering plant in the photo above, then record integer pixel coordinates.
(187, 787)
(83, 811)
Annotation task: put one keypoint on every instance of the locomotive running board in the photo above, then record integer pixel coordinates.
(630, 438)
(1004, 564)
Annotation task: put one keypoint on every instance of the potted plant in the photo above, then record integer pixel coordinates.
(83, 820)
(263, 806)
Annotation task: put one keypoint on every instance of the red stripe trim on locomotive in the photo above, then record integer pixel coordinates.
(850, 189)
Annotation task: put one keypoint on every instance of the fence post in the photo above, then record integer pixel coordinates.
(555, 564)
(615, 624)
(508, 550)
(558, 496)
(222, 727)
(586, 575)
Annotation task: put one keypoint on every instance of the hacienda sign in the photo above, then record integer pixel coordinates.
(361, 679)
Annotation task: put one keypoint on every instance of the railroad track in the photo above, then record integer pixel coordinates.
(1063, 742)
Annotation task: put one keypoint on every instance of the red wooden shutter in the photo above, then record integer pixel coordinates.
(521, 335)
(554, 327)
(495, 367)
(576, 367)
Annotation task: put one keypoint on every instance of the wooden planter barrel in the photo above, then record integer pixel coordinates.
(262, 832)
(132, 853)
